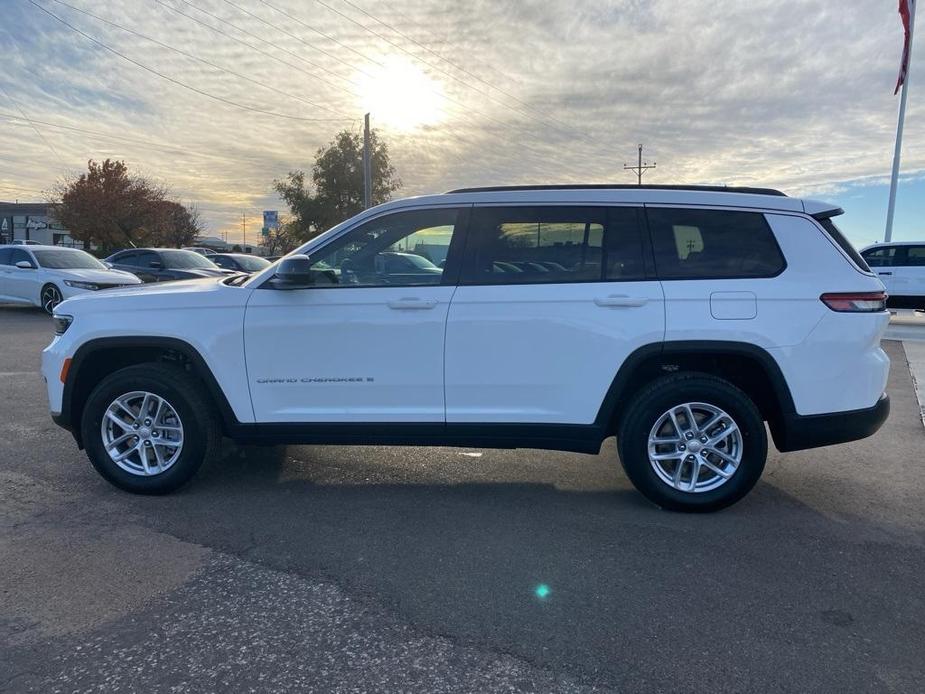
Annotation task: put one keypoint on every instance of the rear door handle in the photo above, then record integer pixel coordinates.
(621, 301)
(884, 273)
(412, 304)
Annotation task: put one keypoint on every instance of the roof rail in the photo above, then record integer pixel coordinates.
(624, 186)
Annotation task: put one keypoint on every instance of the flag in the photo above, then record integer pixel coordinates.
(904, 13)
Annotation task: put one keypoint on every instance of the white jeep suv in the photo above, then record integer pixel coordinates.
(680, 319)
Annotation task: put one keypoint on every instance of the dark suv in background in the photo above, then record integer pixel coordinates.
(239, 262)
(164, 264)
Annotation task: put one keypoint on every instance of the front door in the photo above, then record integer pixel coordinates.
(551, 301)
(365, 342)
(883, 260)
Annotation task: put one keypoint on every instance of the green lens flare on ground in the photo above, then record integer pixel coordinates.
(542, 591)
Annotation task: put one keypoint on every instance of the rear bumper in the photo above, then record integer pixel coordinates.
(797, 432)
(905, 301)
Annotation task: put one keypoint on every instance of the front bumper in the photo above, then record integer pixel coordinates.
(797, 432)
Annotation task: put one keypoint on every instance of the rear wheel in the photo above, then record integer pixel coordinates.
(50, 298)
(693, 442)
(148, 428)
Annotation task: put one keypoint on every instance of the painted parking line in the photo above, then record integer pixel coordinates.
(915, 354)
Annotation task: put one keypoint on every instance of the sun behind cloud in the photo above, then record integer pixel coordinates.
(400, 95)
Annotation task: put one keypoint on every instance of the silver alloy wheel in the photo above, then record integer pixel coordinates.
(142, 433)
(695, 447)
(51, 297)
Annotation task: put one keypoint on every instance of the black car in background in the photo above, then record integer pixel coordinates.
(164, 264)
(239, 262)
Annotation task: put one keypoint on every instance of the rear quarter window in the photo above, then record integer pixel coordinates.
(712, 244)
(843, 243)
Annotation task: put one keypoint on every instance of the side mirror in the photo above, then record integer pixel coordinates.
(294, 273)
(25, 265)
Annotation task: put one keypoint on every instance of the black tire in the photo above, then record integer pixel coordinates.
(47, 302)
(201, 430)
(671, 391)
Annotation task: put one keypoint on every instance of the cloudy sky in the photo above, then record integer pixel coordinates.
(216, 98)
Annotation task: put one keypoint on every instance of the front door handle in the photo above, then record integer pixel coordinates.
(884, 273)
(412, 304)
(621, 301)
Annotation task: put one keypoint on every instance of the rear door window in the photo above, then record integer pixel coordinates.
(145, 259)
(915, 256)
(553, 245)
(884, 256)
(693, 243)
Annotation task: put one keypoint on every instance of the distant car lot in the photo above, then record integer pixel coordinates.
(418, 568)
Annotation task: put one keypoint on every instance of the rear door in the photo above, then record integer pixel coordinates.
(551, 301)
(909, 273)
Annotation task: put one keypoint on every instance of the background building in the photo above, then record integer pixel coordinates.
(32, 221)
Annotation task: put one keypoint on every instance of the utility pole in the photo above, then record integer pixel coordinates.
(244, 227)
(640, 168)
(367, 166)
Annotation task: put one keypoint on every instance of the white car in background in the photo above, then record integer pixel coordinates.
(44, 276)
(901, 267)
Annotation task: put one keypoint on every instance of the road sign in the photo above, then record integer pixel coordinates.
(270, 219)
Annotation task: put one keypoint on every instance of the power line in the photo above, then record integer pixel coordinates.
(291, 35)
(256, 48)
(34, 127)
(175, 81)
(141, 143)
(466, 112)
(320, 33)
(449, 62)
(197, 58)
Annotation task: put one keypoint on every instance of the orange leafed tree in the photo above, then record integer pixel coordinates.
(111, 208)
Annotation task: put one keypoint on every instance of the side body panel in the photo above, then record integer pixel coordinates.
(211, 323)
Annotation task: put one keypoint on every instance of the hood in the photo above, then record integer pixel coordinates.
(100, 276)
(158, 295)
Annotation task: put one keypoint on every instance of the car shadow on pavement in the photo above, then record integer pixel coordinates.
(555, 576)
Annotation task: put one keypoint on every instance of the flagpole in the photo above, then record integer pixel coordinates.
(894, 177)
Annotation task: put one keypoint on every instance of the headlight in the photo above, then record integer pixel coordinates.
(62, 323)
(82, 285)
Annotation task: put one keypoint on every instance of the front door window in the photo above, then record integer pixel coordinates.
(402, 249)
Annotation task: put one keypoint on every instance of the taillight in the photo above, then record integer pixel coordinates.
(864, 302)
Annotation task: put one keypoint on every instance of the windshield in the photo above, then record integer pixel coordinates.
(185, 260)
(251, 263)
(67, 260)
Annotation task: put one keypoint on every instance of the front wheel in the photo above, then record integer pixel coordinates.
(50, 298)
(693, 442)
(148, 428)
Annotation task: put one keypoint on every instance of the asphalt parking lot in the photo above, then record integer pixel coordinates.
(415, 569)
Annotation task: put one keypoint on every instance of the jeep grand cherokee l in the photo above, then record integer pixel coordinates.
(682, 320)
